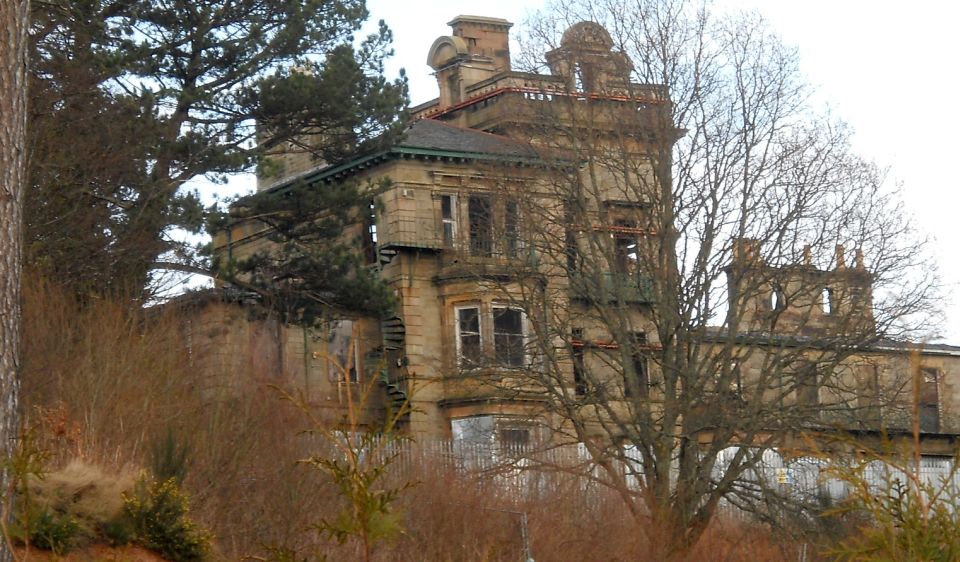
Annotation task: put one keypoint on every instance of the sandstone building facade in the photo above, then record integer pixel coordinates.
(522, 210)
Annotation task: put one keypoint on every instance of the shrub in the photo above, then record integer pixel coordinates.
(47, 529)
(159, 517)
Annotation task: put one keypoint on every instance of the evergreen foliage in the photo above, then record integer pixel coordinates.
(315, 267)
(131, 99)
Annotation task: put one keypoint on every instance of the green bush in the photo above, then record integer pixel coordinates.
(47, 529)
(903, 518)
(158, 513)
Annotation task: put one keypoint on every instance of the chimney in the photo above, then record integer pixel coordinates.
(485, 37)
(858, 259)
(478, 49)
(747, 250)
(841, 261)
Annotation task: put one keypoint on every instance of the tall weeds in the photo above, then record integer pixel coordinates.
(115, 387)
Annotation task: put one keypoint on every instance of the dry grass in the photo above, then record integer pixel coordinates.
(83, 490)
(108, 384)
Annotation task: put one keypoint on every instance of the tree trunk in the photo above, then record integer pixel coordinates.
(14, 18)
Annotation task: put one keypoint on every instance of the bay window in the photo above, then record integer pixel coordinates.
(493, 336)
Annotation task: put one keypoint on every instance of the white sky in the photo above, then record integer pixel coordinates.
(887, 68)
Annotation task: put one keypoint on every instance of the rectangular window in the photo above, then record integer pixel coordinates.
(481, 225)
(469, 348)
(448, 217)
(508, 337)
(637, 382)
(511, 223)
(929, 400)
(625, 248)
(370, 233)
(808, 384)
(571, 248)
(827, 301)
(579, 373)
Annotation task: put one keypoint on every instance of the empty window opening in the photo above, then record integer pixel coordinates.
(511, 223)
(636, 380)
(579, 82)
(571, 249)
(579, 372)
(625, 249)
(826, 300)
(481, 226)
(778, 298)
(808, 384)
(508, 337)
(370, 232)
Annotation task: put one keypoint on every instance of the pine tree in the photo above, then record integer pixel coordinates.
(134, 98)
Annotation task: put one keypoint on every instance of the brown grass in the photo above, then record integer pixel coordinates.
(107, 384)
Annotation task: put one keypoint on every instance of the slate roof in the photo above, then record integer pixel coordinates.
(431, 138)
(429, 134)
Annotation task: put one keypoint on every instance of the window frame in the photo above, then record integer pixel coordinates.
(463, 361)
(448, 202)
(524, 356)
(482, 225)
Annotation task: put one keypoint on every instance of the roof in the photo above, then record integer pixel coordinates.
(428, 138)
(436, 135)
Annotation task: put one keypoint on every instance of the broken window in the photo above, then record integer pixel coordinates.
(625, 247)
(469, 349)
(448, 217)
(506, 329)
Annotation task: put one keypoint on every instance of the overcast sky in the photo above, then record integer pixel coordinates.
(887, 68)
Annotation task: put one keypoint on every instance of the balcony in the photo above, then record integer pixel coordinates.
(490, 384)
(404, 230)
(611, 287)
(502, 259)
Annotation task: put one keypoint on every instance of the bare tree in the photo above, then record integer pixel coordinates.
(692, 305)
(13, 63)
